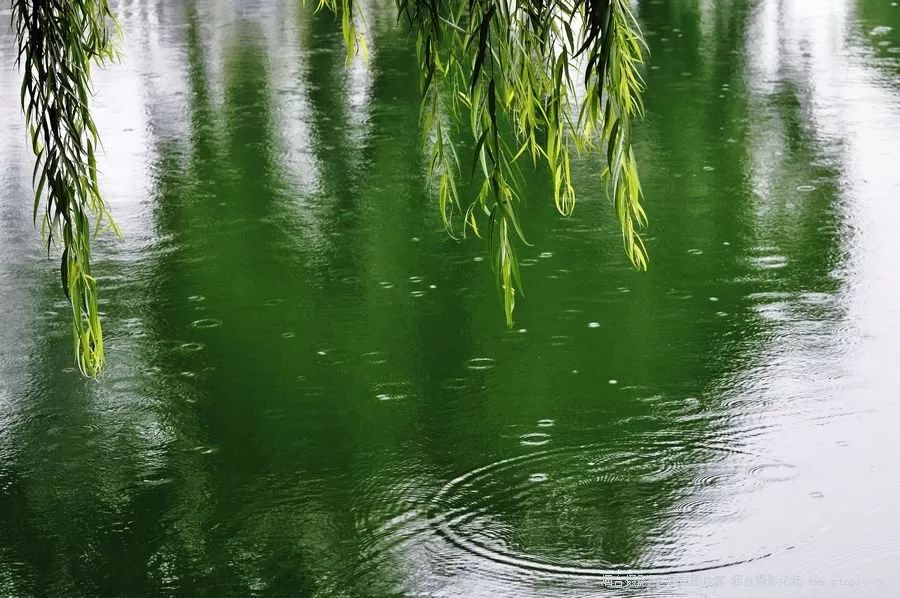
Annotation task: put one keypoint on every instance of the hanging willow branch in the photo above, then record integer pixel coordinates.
(532, 79)
(535, 79)
(58, 40)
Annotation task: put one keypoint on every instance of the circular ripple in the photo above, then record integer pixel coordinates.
(570, 511)
(480, 363)
(207, 323)
(534, 439)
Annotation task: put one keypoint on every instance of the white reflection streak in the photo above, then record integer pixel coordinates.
(853, 113)
(290, 99)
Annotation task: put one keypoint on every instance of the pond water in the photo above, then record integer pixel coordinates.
(311, 390)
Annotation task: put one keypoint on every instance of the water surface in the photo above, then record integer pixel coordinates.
(311, 390)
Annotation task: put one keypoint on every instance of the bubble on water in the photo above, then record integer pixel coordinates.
(695, 251)
(384, 284)
(593, 324)
(432, 286)
(805, 188)
(709, 168)
(538, 477)
(534, 439)
(895, 50)
(206, 323)
(191, 347)
(415, 279)
(546, 254)
(288, 335)
(415, 239)
(417, 293)
(522, 330)
(817, 494)
(880, 30)
(479, 258)
(545, 423)
(613, 381)
(713, 299)
(196, 298)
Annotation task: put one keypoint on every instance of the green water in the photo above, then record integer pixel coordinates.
(311, 390)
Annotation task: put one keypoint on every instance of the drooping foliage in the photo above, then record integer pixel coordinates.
(58, 41)
(531, 80)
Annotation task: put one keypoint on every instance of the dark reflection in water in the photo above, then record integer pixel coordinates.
(311, 391)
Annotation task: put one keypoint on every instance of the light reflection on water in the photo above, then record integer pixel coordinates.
(311, 391)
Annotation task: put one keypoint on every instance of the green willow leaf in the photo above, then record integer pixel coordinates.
(57, 43)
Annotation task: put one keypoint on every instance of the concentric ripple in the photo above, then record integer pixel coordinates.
(576, 511)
